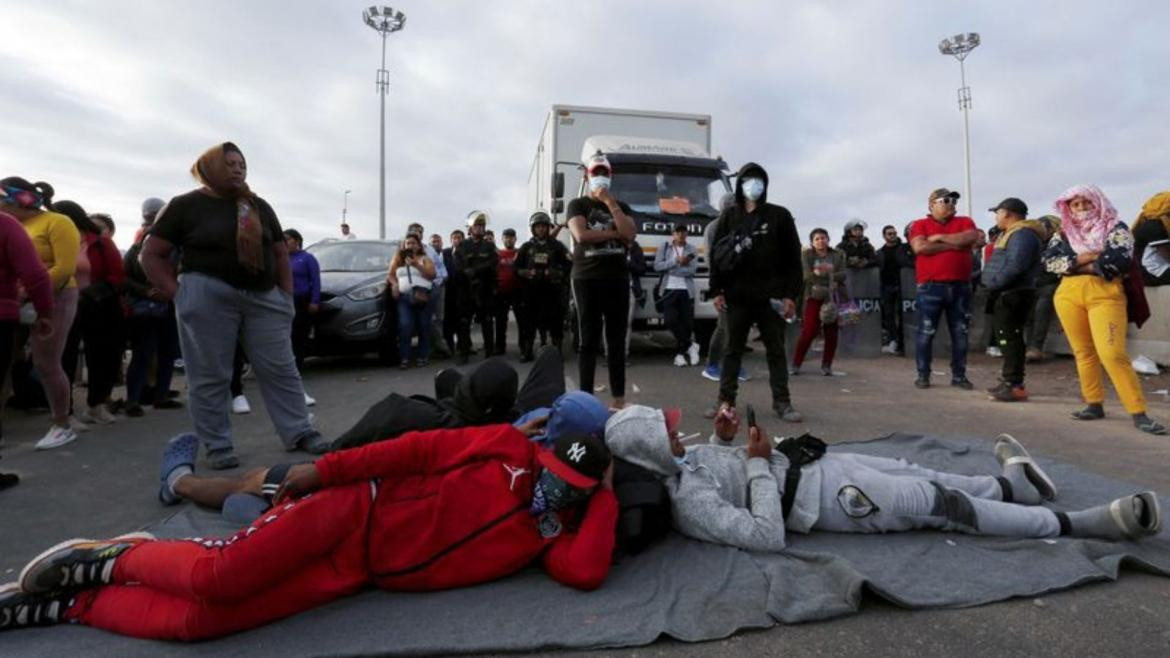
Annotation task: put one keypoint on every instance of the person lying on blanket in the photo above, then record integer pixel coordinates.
(245, 497)
(431, 510)
(747, 496)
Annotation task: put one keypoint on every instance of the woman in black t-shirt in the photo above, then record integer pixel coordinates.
(234, 283)
(601, 228)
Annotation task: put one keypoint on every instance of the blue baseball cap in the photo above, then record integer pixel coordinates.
(577, 413)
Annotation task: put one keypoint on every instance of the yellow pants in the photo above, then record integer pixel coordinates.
(1092, 311)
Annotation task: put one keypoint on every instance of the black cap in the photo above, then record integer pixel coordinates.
(510, 231)
(579, 459)
(1012, 205)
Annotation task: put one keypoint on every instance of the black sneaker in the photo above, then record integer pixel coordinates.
(134, 410)
(922, 382)
(77, 564)
(313, 443)
(963, 383)
(19, 609)
(168, 403)
(999, 388)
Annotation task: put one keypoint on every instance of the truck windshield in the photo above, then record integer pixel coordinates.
(666, 190)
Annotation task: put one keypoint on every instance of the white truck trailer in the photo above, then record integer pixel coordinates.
(663, 169)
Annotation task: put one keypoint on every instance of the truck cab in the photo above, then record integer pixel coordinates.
(665, 183)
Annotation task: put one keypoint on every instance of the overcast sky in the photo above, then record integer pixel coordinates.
(849, 105)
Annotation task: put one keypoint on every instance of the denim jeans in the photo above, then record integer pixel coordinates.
(414, 321)
(933, 299)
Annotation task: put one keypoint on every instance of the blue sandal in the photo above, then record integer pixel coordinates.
(181, 451)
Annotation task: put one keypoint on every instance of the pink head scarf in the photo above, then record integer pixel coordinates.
(1087, 234)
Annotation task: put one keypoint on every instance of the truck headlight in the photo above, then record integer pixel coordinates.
(371, 291)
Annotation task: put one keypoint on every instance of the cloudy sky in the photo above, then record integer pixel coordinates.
(849, 105)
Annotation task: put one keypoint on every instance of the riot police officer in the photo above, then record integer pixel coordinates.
(543, 265)
(477, 260)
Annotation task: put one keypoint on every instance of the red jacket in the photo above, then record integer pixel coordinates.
(506, 280)
(451, 510)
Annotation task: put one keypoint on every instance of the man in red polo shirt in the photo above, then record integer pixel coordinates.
(942, 243)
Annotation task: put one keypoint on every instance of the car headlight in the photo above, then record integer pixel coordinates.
(371, 291)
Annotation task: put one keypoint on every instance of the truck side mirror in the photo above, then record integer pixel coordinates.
(558, 206)
(558, 186)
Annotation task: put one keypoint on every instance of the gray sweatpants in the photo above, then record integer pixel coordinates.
(860, 493)
(212, 316)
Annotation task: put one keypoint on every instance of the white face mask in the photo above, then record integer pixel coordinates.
(753, 188)
(599, 183)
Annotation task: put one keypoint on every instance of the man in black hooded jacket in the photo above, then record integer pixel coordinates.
(756, 264)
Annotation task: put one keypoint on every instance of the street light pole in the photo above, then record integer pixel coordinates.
(959, 46)
(385, 20)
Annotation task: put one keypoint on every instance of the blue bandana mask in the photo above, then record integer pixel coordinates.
(551, 493)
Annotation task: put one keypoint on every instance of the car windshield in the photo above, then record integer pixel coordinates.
(669, 190)
(353, 256)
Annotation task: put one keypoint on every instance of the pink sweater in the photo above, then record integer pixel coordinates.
(19, 263)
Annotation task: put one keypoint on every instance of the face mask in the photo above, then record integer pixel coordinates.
(599, 183)
(753, 188)
(1082, 215)
(552, 493)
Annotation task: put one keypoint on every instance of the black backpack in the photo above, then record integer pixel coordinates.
(643, 507)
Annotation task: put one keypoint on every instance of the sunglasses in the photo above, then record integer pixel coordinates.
(946, 200)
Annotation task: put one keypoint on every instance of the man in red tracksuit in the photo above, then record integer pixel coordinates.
(431, 510)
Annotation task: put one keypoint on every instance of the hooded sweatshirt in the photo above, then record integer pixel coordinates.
(720, 494)
(771, 268)
(484, 396)
(1015, 257)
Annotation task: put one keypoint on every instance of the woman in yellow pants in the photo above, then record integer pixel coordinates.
(1092, 253)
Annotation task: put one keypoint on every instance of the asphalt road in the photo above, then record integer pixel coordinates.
(106, 482)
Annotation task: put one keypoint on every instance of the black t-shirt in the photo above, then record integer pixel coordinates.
(599, 260)
(203, 228)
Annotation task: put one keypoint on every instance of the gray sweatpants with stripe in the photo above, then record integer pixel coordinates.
(860, 493)
(212, 316)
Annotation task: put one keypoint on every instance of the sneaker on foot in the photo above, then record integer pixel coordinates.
(994, 352)
(1033, 355)
(56, 437)
(1009, 393)
(1021, 470)
(890, 348)
(693, 354)
(134, 410)
(167, 403)
(240, 405)
(827, 371)
(787, 413)
(77, 564)
(100, 415)
(313, 443)
(923, 381)
(309, 401)
(19, 609)
(77, 426)
(962, 383)
(219, 460)
(711, 372)
(680, 360)
(793, 371)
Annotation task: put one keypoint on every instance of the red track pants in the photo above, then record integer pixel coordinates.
(300, 555)
(810, 324)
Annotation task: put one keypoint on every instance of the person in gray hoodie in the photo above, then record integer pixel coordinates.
(733, 495)
(677, 262)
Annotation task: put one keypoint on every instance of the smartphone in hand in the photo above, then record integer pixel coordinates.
(751, 416)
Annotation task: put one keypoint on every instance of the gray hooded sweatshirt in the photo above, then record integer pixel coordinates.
(719, 495)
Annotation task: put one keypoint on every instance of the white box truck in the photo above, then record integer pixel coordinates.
(663, 169)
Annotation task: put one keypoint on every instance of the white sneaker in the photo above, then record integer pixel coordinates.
(309, 401)
(56, 437)
(240, 405)
(890, 348)
(994, 351)
(99, 414)
(680, 360)
(693, 354)
(76, 425)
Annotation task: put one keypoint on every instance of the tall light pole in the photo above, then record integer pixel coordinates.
(345, 205)
(959, 46)
(385, 20)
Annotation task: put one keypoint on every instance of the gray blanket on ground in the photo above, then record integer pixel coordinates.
(685, 589)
